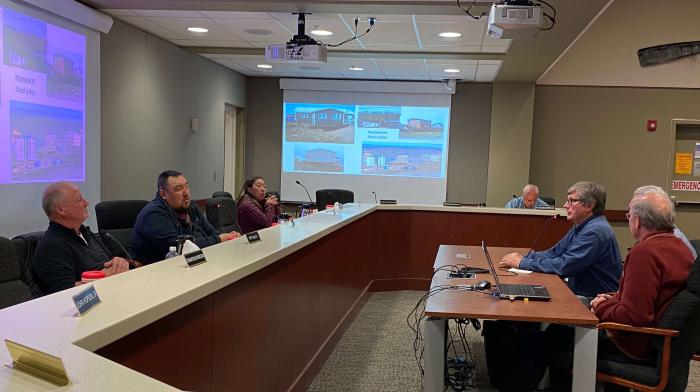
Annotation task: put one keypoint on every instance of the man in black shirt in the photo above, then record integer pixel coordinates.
(68, 248)
(169, 215)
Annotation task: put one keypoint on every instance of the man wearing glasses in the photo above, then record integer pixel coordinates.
(588, 255)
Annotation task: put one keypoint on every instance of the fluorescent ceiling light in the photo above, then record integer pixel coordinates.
(197, 29)
(450, 34)
(321, 32)
(356, 68)
(451, 70)
(264, 66)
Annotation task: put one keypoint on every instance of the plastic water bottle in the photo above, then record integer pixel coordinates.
(171, 253)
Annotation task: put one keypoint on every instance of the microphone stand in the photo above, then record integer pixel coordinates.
(550, 220)
(230, 215)
(307, 192)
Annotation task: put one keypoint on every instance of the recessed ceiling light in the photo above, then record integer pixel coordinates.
(451, 70)
(321, 32)
(356, 68)
(197, 29)
(264, 66)
(450, 34)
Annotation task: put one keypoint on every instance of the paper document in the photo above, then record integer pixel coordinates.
(519, 271)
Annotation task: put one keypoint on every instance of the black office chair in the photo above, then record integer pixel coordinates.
(221, 194)
(25, 246)
(676, 338)
(223, 214)
(12, 289)
(116, 219)
(548, 200)
(330, 196)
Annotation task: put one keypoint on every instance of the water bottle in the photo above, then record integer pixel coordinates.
(171, 253)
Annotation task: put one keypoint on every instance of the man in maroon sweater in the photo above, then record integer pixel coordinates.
(655, 270)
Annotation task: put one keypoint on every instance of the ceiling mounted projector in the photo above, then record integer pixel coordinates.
(515, 19)
(300, 49)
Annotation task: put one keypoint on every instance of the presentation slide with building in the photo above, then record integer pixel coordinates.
(42, 101)
(365, 140)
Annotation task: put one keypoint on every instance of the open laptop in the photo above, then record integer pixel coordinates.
(515, 291)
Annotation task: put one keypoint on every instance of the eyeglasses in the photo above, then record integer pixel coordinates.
(571, 201)
(628, 215)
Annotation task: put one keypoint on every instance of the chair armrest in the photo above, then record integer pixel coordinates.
(644, 330)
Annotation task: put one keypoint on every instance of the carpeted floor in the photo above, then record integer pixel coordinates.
(376, 352)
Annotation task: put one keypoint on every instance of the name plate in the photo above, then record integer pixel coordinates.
(86, 300)
(387, 201)
(195, 258)
(253, 237)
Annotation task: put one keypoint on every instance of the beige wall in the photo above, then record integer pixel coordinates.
(509, 150)
(606, 55)
(599, 134)
(150, 91)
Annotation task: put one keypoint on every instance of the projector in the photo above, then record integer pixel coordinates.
(300, 49)
(515, 19)
(296, 53)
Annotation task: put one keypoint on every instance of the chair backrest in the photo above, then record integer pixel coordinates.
(683, 314)
(118, 218)
(221, 194)
(548, 200)
(223, 214)
(12, 289)
(330, 196)
(25, 246)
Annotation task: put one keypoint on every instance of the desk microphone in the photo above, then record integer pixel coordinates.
(111, 237)
(550, 220)
(230, 215)
(307, 191)
(375, 197)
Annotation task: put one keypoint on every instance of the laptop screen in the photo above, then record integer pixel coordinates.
(490, 262)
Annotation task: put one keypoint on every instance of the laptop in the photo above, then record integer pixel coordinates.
(515, 291)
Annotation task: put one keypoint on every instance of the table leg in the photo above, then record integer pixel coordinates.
(585, 353)
(434, 354)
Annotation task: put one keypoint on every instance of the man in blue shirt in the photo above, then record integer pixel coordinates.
(588, 255)
(529, 199)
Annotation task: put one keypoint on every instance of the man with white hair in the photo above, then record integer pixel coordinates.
(643, 190)
(68, 248)
(529, 199)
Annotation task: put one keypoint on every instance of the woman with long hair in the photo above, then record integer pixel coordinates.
(255, 210)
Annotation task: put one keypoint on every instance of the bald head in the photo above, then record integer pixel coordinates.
(654, 210)
(53, 195)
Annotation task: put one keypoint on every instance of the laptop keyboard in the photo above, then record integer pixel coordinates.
(516, 289)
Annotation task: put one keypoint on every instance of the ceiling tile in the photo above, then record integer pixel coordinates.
(452, 49)
(153, 28)
(403, 69)
(237, 15)
(229, 43)
(119, 12)
(391, 33)
(465, 71)
(180, 25)
(238, 27)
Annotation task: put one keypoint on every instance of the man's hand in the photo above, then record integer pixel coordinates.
(116, 266)
(511, 260)
(599, 300)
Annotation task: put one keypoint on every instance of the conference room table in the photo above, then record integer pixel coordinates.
(563, 308)
(261, 316)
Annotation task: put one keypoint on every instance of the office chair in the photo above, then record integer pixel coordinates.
(223, 214)
(330, 196)
(221, 194)
(115, 222)
(676, 338)
(25, 246)
(548, 200)
(12, 289)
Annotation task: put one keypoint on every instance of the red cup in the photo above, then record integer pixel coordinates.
(329, 206)
(91, 276)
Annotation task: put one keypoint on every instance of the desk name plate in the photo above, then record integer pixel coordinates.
(195, 258)
(86, 300)
(253, 237)
(37, 363)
